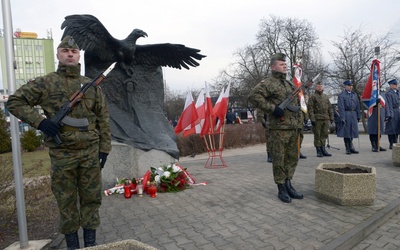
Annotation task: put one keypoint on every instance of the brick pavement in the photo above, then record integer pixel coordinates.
(239, 208)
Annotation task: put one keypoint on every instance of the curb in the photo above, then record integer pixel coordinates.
(358, 233)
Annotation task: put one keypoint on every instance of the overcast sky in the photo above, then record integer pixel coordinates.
(218, 28)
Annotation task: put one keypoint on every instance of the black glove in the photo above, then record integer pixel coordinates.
(264, 124)
(103, 159)
(358, 120)
(278, 112)
(343, 122)
(378, 101)
(313, 124)
(49, 127)
(388, 118)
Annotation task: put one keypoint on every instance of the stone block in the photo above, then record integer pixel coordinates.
(123, 245)
(125, 161)
(348, 189)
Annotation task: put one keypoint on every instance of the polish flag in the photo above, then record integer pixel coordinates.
(189, 115)
(298, 71)
(208, 127)
(371, 91)
(200, 108)
(221, 107)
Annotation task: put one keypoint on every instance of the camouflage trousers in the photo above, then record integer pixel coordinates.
(321, 132)
(268, 140)
(76, 174)
(285, 152)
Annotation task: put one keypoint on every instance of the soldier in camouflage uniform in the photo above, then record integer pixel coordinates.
(283, 124)
(321, 113)
(76, 163)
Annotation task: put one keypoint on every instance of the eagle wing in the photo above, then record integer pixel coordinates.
(167, 54)
(91, 36)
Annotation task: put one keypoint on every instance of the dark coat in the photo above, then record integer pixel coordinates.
(349, 112)
(392, 110)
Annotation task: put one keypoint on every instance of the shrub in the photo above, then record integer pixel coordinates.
(30, 142)
(236, 135)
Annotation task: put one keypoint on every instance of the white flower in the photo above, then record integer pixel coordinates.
(168, 167)
(175, 169)
(166, 174)
(157, 179)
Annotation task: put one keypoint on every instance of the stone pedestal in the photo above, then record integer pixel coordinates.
(125, 161)
(348, 189)
(396, 154)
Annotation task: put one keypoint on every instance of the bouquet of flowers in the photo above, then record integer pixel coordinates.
(170, 178)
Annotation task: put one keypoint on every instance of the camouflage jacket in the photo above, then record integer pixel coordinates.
(51, 92)
(319, 107)
(271, 92)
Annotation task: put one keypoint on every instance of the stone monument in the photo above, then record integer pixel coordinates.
(142, 136)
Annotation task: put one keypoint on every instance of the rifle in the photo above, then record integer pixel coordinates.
(61, 117)
(293, 95)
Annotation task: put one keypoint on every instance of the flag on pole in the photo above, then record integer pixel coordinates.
(221, 107)
(201, 116)
(189, 115)
(298, 72)
(208, 127)
(371, 90)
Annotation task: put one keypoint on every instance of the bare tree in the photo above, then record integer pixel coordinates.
(293, 37)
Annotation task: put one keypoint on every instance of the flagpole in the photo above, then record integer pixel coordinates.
(377, 51)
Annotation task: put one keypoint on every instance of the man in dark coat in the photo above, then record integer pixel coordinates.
(392, 128)
(350, 115)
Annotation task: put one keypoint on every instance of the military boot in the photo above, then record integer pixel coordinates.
(324, 152)
(302, 156)
(72, 241)
(391, 141)
(269, 157)
(89, 237)
(352, 149)
(319, 152)
(283, 194)
(291, 191)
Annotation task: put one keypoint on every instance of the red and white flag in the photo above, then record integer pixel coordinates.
(189, 115)
(221, 107)
(200, 108)
(298, 71)
(208, 126)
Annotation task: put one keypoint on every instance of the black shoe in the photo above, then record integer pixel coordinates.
(269, 157)
(283, 194)
(352, 149)
(324, 152)
(302, 156)
(89, 237)
(391, 146)
(381, 149)
(348, 151)
(72, 241)
(291, 191)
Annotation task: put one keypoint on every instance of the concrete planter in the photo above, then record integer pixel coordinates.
(348, 189)
(124, 245)
(396, 154)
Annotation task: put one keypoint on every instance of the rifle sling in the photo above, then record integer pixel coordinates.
(67, 128)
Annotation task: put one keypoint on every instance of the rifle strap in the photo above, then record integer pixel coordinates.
(67, 128)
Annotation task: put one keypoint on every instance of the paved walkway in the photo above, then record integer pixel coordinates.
(239, 208)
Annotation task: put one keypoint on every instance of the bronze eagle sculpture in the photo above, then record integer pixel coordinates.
(135, 88)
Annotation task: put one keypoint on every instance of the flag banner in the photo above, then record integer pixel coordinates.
(200, 108)
(189, 115)
(209, 122)
(371, 90)
(221, 107)
(298, 72)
